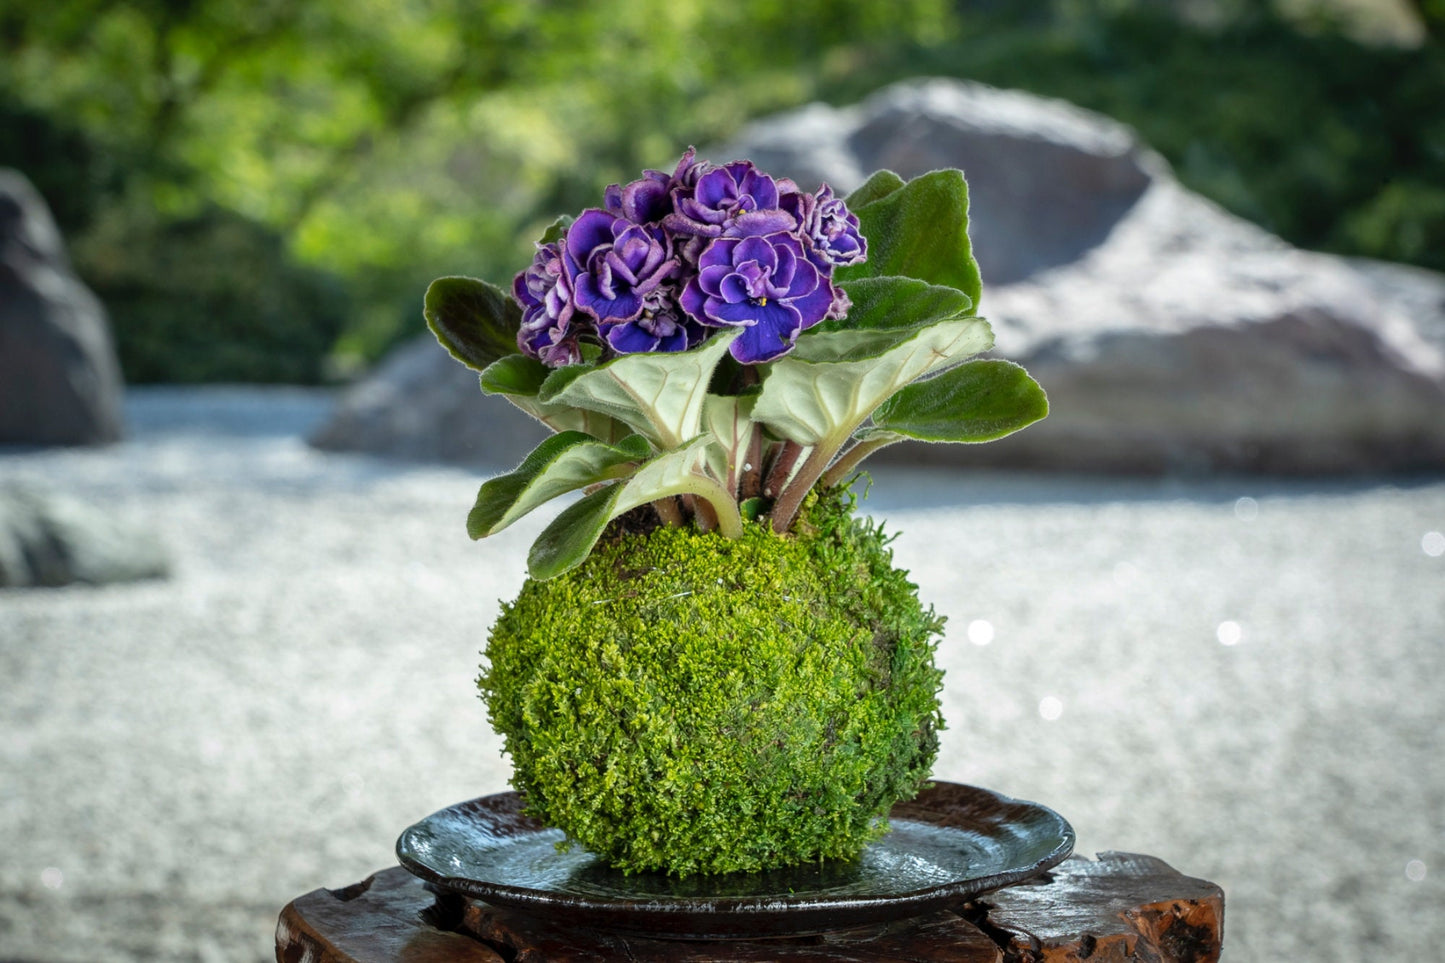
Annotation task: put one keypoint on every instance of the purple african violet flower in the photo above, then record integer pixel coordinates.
(614, 264)
(765, 285)
(689, 169)
(649, 199)
(735, 200)
(646, 200)
(826, 221)
(550, 329)
(662, 326)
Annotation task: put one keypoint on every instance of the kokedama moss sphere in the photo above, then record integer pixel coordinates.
(694, 704)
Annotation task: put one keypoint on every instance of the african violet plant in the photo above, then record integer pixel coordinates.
(714, 665)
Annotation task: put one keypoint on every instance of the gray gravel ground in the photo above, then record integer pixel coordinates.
(180, 758)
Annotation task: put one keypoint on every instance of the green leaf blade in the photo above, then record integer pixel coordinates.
(885, 304)
(566, 542)
(514, 374)
(878, 186)
(919, 230)
(565, 462)
(659, 395)
(728, 421)
(476, 322)
(519, 379)
(975, 402)
(557, 229)
(820, 403)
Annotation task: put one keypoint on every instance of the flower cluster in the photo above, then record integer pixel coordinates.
(674, 257)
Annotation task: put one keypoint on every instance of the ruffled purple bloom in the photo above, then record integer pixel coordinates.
(662, 326)
(550, 330)
(674, 256)
(614, 264)
(765, 285)
(735, 200)
(826, 221)
(649, 199)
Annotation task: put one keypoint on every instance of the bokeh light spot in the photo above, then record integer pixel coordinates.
(1415, 871)
(980, 632)
(1050, 708)
(1246, 509)
(1433, 543)
(52, 878)
(1229, 633)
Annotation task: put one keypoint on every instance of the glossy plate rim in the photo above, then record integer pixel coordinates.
(941, 804)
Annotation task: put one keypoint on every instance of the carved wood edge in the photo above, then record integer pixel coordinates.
(1122, 906)
(1118, 907)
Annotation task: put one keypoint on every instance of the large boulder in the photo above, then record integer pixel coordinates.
(1170, 335)
(421, 404)
(60, 381)
(48, 539)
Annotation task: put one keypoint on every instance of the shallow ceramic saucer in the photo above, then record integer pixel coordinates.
(950, 843)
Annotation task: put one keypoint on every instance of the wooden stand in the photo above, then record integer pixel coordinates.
(1118, 908)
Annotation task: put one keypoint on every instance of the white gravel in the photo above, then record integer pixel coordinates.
(1242, 677)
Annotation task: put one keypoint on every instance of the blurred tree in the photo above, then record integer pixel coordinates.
(1432, 15)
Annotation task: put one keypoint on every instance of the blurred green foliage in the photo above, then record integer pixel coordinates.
(325, 160)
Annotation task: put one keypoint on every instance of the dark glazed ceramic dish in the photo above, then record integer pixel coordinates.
(950, 843)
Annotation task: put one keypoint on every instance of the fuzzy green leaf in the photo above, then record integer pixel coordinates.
(820, 403)
(878, 186)
(514, 374)
(563, 463)
(882, 306)
(920, 231)
(728, 420)
(519, 379)
(556, 230)
(565, 543)
(978, 401)
(475, 321)
(660, 395)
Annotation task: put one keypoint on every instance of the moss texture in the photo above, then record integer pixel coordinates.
(692, 704)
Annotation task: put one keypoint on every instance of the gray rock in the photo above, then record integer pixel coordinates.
(1047, 180)
(60, 380)
(422, 404)
(1170, 335)
(49, 540)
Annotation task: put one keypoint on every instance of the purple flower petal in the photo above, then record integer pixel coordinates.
(614, 264)
(630, 338)
(765, 221)
(831, 229)
(756, 249)
(729, 314)
(772, 337)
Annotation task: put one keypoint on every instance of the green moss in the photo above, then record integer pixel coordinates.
(689, 703)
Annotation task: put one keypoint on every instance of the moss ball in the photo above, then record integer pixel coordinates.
(687, 703)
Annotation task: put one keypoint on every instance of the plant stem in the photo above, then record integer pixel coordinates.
(751, 483)
(705, 515)
(667, 510)
(785, 509)
(844, 466)
(721, 504)
(783, 461)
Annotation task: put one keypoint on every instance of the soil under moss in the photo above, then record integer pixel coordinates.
(693, 704)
